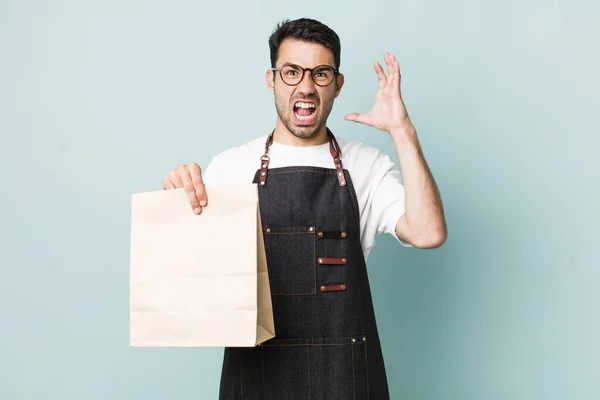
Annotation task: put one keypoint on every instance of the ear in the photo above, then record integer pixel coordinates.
(339, 84)
(270, 81)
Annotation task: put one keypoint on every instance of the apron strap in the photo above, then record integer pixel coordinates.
(334, 149)
(336, 153)
(264, 160)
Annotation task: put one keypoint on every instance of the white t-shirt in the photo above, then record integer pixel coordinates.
(376, 179)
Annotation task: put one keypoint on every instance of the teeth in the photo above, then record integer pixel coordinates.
(305, 105)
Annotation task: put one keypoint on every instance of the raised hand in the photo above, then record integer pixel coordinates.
(388, 112)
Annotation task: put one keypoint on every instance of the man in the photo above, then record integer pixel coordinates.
(322, 203)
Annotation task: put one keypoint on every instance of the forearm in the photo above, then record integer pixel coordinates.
(423, 224)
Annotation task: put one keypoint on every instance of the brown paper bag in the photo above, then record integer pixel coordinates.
(198, 280)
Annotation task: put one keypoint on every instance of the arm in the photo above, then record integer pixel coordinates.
(423, 224)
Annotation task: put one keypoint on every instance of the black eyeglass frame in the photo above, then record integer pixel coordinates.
(303, 70)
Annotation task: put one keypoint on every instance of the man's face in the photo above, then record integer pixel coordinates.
(303, 108)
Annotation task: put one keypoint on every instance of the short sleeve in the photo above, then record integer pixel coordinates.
(228, 168)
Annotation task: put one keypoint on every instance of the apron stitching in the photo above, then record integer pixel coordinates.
(301, 170)
(295, 294)
(308, 367)
(262, 359)
(289, 233)
(241, 386)
(353, 376)
(315, 264)
(354, 202)
(367, 369)
(307, 344)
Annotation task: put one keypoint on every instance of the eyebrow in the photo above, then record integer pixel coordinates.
(296, 65)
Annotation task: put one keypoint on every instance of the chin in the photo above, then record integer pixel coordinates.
(304, 134)
(302, 131)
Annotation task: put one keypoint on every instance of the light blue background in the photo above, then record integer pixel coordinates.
(101, 99)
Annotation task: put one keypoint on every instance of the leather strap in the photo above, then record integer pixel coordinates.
(336, 153)
(332, 260)
(334, 149)
(332, 234)
(333, 288)
(264, 161)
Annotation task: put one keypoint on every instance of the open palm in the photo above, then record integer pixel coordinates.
(388, 112)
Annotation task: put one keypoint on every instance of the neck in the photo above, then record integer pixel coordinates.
(283, 136)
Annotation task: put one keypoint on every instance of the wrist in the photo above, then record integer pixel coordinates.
(404, 133)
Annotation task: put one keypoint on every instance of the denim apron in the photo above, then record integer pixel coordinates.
(326, 345)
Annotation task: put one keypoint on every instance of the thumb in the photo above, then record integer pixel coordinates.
(356, 117)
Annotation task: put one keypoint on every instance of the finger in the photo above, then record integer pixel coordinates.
(181, 179)
(360, 118)
(167, 184)
(397, 66)
(196, 175)
(387, 58)
(176, 180)
(380, 74)
(390, 68)
(190, 191)
(396, 72)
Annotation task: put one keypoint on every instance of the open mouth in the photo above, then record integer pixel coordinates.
(305, 112)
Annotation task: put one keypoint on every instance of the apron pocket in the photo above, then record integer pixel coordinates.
(316, 368)
(291, 260)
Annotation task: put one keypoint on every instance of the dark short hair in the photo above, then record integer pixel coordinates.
(306, 30)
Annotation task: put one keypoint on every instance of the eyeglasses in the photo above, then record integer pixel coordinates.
(292, 74)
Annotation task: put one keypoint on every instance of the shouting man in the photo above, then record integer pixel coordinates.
(322, 201)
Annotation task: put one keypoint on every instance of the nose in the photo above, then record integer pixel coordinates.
(307, 85)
